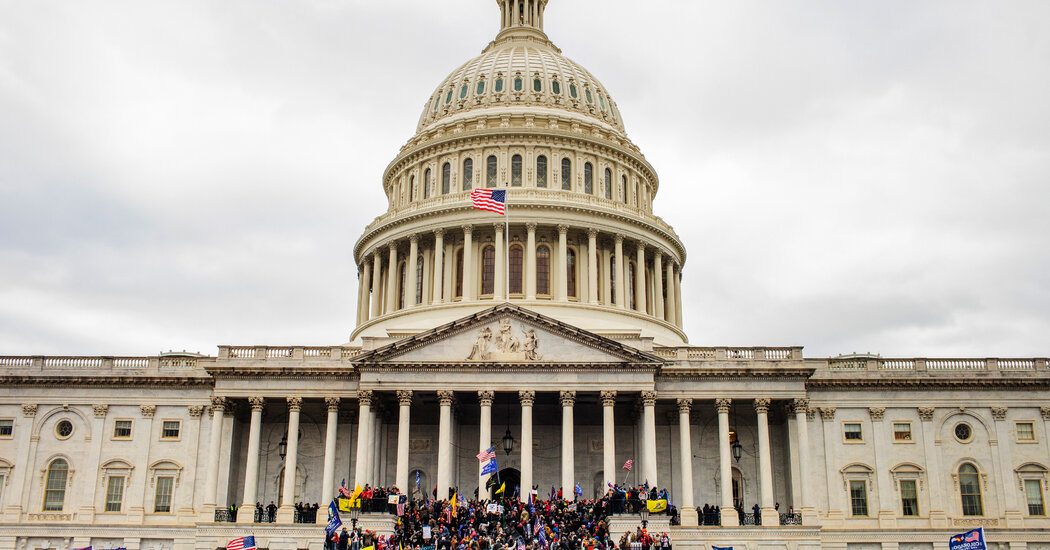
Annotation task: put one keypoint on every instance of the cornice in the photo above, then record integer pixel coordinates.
(79, 381)
(232, 371)
(421, 366)
(733, 373)
(925, 383)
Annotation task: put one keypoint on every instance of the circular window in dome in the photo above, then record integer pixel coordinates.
(64, 429)
(963, 432)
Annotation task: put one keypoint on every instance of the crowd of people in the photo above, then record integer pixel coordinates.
(507, 524)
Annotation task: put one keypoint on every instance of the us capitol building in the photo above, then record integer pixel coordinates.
(561, 333)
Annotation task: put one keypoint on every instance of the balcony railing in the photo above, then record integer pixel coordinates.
(225, 515)
(791, 519)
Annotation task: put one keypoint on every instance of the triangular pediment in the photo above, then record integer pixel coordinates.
(508, 334)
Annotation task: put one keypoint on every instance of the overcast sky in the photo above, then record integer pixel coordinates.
(847, 176)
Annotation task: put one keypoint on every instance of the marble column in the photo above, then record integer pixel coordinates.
(485, 397)
(621, 296)
(770, 517)
(500, 282)
(439, 266)
(729, 516)
(330, 433)
(404, 401)
(530, 261)
(527, 397)
(286, 513)
(561, 271)
(391, 279)
(468, 263)
(218, 408)
(592, 266)
(639, 279)
(377, 284)
(444, 468)
(246, 513)
(678, 306)
(363, 293)
(685, 455)
(410, 268)
(938, 516)
(1010, 497)
(364, 437)
(658, 285)
(801, 408)
(608, 437)
(568, 474)
(649, 437)
(670, 314)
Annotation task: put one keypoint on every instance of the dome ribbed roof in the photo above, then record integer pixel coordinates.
(520, 74)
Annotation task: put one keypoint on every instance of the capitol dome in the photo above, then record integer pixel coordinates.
(580, 243)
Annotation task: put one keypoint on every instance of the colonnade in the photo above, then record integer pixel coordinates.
(364, 471)
(557, 263)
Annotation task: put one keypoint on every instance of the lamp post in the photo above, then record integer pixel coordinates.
(282, 447)
(738, 450)
(508, 442)
(355, 512)
(644, 513)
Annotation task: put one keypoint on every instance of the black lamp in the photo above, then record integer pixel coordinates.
(738, 450)
(282, 447)
(508, 442)
(644, 512)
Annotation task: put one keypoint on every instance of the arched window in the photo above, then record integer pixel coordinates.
(426, 184)
(543, 270)
(515, 171)
(570, 273)
(55, 488)
(623, 190)
(970, 489)
(411, 188)
(490, 172)
(566, 174)
(488, 270)
(612, 280)
(468, 174)
(588, 178)
(608, 184)
(446, 178)
(628, 280)
(419, 280)
(459, 273)
(541, 171)
(515, 269)
(401, 276)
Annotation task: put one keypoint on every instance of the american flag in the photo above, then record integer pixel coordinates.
(627, 465)
(489, 199)
(401, 500)
(343, 490)
(243, 543)
(487, 454)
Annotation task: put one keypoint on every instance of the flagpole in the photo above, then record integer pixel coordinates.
(506, 240)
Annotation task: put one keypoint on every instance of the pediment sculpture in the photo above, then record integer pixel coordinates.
(508, 346)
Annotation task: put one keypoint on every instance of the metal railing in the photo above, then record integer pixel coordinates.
(712, 517)
(747, 518)
(791, 519)
(225, 515)
(305, 516)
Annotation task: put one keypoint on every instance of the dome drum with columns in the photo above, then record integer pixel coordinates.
(582, 241)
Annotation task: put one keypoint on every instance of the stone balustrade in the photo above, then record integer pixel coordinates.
(98, 362)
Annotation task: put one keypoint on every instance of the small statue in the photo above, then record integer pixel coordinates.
(480, 351)
(505, 341)
(529, 346)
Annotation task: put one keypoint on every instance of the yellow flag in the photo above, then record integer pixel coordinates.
(357, 495)
(657, 505)
(453, 504)
(344, 505)
(502, 487)
(369, 548)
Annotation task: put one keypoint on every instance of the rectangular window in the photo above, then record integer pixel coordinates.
(909, 498)
(853, 432)
(114, 493)
(171, 429)
(122, 429)
(901, 431)
(162, 501)
(7, 427)
(1025, 431)
(858, 496)
(1033, 490)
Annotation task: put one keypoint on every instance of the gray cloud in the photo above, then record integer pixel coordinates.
(849, 177)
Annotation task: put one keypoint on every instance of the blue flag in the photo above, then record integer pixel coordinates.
(579, 491)
(334, 523)
(970, 540)
(489, 467)
(417, 479)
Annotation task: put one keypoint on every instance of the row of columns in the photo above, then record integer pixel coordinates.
(526, 399)
(372, 286)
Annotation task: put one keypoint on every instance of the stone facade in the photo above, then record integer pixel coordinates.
(580, 358)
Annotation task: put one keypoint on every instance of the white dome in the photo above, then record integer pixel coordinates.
(520, 72)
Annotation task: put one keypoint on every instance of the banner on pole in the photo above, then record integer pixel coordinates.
(970, 540)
